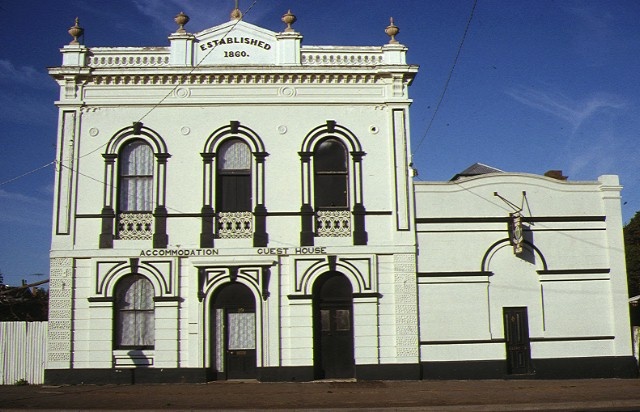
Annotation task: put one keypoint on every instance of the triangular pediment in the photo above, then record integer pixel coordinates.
(235, 42)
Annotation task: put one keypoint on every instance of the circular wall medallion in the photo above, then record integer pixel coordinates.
(282, 129)
(287, 91)
(373, 129)
(185, 130)
(93, 132)
(183, 92)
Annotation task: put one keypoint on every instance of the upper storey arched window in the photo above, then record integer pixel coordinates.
(233, 184)
(331, 175)
(136, 163)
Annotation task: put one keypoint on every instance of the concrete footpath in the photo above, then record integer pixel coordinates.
(486, 395)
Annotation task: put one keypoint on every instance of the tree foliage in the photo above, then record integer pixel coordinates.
(632, 254)
(23, 304)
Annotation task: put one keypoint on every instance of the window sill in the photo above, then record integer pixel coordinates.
(132, 358)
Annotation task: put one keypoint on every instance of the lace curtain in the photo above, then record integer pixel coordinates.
(135, 320)
(136, 177)
(242, 331)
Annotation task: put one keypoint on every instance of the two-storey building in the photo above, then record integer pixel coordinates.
(238, 205)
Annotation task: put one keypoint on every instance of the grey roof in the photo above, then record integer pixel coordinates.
(476, 169)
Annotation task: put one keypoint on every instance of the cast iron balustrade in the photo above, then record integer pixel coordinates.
(235, 225)
(135, 226)
(341, 56)
(131, 57)
(333, 223)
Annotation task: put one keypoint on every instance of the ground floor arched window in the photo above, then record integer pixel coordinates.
(134, 315)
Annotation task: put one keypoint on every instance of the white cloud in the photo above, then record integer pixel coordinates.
(13, 197)
(25, 75)
(202, 13)
(594, 28)
(21, 209)
(574, 112)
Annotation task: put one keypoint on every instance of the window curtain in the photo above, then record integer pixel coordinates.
(242, 331)
(135, 320)
(136, 177)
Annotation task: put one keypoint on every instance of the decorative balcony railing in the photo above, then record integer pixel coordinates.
(135, 226)
(129, 57)
(346, 56)
(235, 225)
(121, 57)
(333, 223)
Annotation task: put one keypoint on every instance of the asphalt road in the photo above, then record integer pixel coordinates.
(487, 395)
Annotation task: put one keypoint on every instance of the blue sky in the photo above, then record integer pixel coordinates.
(538, 85)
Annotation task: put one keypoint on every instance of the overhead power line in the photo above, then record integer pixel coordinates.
(27, 173)
(142, 118)
(198, 63)
(446, 83)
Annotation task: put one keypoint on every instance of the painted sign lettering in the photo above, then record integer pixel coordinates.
(317, 250)
(179, 252)
(235, 40)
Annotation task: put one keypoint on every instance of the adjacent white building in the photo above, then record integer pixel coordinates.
(238, 205)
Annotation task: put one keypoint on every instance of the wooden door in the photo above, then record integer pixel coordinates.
(333, 328)
(240, 344)
(233, 335)
(518, 346)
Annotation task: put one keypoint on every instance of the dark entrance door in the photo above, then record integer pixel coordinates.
(234, 332)
(516, 332)
(333, 327)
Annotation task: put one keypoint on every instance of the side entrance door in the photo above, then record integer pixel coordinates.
(333, 327)
(518, 345)
(234, 334)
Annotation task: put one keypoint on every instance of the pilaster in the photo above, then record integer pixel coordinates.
(181, 49)
(288, 49)
(615, 241)
(59, 347)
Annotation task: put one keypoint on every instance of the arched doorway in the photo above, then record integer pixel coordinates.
(233, 332)
(333, 355)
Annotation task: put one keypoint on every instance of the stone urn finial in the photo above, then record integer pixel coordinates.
(392, 30)
(181, 19)
(76, 31)
(288, 18)
(236, 14)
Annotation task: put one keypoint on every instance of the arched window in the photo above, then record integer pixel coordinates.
(136, 177)
(331, 177)
(135, 191)
(233, 183)
(135, 187)
(332, 206)
(134, 313)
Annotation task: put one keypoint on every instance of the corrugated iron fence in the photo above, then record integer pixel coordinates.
(23, 352)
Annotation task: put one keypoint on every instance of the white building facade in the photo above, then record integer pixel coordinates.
(237, 205)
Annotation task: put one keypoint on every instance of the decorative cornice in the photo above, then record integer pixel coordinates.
(151, 79)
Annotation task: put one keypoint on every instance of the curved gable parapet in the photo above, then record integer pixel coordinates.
(522, 179)
(331, 128)
(137, 131)
(237, 130)
(498, 194)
